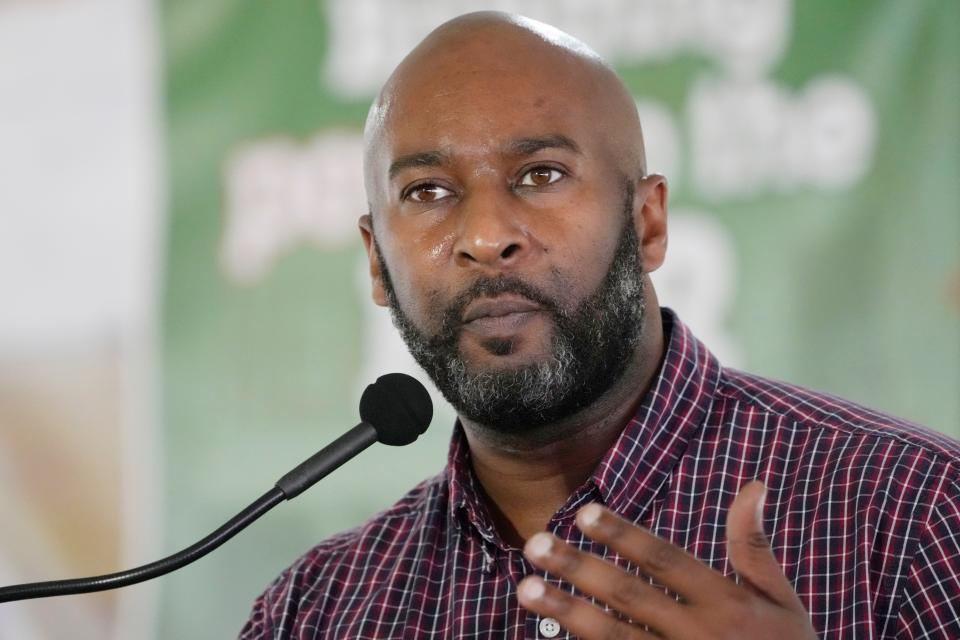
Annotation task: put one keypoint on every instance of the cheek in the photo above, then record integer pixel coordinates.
(418, 267)
(438, 247)
(581, 255)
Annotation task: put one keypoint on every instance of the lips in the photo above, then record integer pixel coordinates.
(498, 307)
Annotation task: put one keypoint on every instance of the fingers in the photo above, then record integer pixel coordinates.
(711, 605)
(667, 564)
(581, 618)
(630, 595)
(749, 549)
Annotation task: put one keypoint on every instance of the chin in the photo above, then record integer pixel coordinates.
(501, 354)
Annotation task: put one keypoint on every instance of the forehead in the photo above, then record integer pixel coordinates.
(487, 87)
(471, 95)
(481, 113)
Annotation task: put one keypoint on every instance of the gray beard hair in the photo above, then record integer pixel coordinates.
(591, 346)
(537, 387)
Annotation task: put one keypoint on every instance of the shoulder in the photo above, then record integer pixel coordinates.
(823, 450)
(819, 413)
(842, 476)
(344, 562)
(386, 529)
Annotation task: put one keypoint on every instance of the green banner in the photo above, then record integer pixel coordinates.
(812, 152)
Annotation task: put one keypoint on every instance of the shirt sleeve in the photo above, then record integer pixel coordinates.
(930, 606)
(268, 619)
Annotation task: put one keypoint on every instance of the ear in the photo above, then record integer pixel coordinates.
(376, 277)
(650, 218)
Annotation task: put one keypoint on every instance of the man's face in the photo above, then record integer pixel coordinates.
(590, 344)
(505, 243)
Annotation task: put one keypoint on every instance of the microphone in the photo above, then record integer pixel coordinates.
(394, 410)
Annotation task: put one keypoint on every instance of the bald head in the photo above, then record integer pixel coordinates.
(514, 221)
(481, 64)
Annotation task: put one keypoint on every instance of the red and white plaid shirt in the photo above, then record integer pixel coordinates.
(863, 512)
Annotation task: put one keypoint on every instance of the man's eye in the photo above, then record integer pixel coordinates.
(540, 177)
(428, 193)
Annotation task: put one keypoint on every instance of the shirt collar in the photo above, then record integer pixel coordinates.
(633, 470)
(670, 414)
(467, 502)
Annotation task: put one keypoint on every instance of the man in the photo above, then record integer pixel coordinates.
(607, 478)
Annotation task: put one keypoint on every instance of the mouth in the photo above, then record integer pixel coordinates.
(485, 309)
(500, 316)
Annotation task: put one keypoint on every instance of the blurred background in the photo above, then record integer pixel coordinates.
(184, 307)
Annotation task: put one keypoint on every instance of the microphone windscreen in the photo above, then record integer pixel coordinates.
(398, 407)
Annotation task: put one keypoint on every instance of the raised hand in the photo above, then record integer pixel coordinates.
(710, 605)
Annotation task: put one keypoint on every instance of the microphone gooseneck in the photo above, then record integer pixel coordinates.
(147, 571)
(394, 410)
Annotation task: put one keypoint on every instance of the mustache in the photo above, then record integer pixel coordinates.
(485, 287)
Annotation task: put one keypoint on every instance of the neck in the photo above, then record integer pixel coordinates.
(528, 477)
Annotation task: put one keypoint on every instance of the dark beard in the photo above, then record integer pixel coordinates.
(590, 348)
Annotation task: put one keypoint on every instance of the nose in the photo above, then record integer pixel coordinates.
(490, 234)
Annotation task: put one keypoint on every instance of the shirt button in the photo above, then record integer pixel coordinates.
(549, 628)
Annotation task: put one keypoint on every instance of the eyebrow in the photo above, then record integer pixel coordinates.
(529, 146)
(518, 147)
(420, 159)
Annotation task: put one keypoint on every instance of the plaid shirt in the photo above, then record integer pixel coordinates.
(863, 513)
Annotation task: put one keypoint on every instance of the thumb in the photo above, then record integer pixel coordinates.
(749, 549)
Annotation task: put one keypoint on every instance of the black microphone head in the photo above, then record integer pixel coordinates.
(398, 407)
